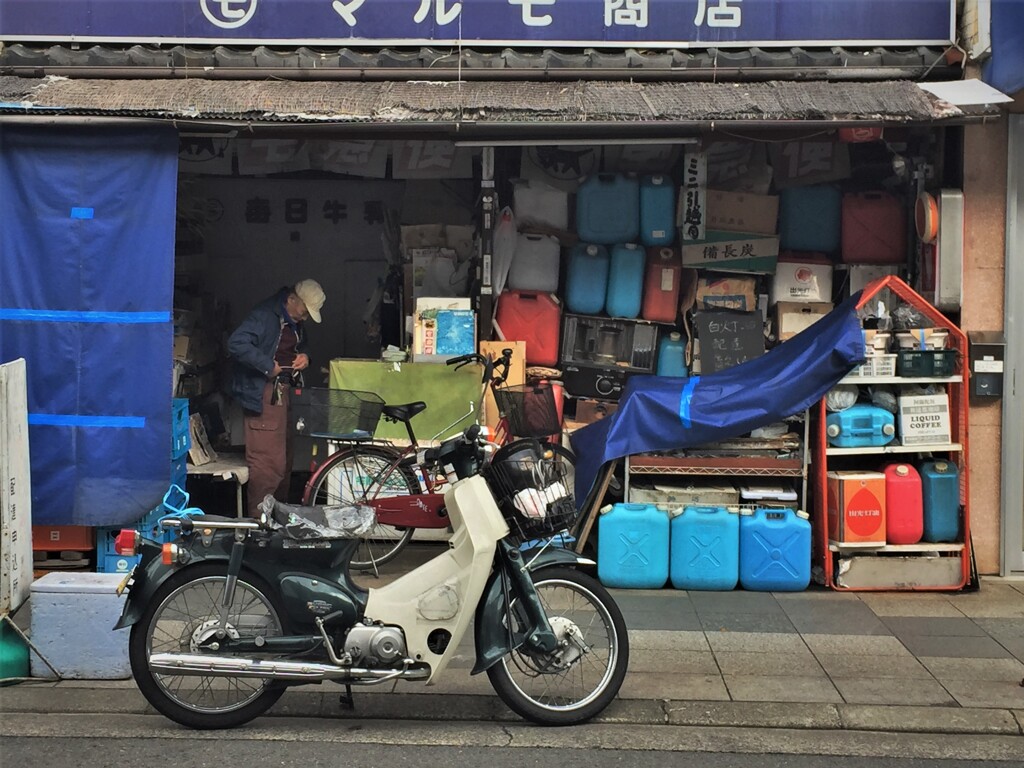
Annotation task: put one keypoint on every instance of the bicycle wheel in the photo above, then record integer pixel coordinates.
(182, 618)
(358, 474)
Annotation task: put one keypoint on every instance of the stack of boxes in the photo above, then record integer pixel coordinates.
(107, 560)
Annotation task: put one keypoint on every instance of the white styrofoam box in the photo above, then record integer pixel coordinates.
(802, 281)
(860, 275)
(73, 618)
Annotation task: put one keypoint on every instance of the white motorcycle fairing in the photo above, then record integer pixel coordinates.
(444, 592)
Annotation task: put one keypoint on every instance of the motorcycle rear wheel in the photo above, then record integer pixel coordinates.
(185, 607)
(580, 679)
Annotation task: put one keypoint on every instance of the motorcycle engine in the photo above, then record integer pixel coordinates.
(375, 646)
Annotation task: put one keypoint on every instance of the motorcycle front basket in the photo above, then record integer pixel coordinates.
(533, 490)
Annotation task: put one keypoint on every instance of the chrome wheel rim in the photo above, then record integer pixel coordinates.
(184, 618)
(581, 669)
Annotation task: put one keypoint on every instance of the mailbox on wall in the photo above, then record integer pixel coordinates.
(987, 351)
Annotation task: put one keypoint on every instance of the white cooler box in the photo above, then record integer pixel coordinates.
(73, 618)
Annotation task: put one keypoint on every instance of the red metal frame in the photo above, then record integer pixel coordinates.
(958, 405)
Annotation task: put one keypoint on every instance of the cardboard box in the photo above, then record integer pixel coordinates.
(671, 496)
(924, 420)
(438, 272)
(516, 373)
(589, 411)
(791, 317)
(860, 275)
(732, 252)
(442, 329)
(733, 292)
(856, 507)
(743, 212)
(802, 281)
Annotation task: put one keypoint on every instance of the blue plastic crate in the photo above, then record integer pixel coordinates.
(179, 471)
(181, 439)
(114, 563)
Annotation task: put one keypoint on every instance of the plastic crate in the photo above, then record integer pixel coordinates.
(939, 363)
(876, 366)
(114, 563)
(179, 471)
(59, 538)
(181, 439)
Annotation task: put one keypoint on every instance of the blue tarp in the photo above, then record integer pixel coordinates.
(659, 413)
(86, 287)
(1005, 69)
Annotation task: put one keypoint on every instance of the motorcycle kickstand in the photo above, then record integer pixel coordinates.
(345, 700)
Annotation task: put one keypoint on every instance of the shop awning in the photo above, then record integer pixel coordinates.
(474, 109)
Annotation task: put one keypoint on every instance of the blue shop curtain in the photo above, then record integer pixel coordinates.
(86, 289)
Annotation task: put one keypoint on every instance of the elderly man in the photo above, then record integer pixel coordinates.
(267, 349)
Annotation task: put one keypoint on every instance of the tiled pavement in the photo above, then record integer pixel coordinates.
(934, 649)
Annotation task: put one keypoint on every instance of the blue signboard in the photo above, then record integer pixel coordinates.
(560, 23)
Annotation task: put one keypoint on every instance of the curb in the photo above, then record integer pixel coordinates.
(79, 699)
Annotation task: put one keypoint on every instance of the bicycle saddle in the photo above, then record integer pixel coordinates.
(403, 412)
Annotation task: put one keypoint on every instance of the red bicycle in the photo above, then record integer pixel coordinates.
(405, 485)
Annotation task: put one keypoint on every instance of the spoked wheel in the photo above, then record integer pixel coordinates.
(357, 475)
(182, 618)
(582, 676)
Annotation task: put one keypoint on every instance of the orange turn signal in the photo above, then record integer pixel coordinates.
(126, 541)
(169, 554)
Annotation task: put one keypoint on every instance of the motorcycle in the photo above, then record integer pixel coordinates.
(228, 615)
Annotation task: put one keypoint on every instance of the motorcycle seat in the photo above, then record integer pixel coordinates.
(342, 521)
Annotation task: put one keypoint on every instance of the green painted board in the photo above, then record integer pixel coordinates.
(449, 394)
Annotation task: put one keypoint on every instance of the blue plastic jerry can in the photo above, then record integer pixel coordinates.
(940, 496)
(586, 280)
(704, 550)
(775, 550)
(632, 546)
(626, 281)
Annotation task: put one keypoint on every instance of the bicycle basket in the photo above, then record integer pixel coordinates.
(530, 409)
(532, 489)
(336, 413)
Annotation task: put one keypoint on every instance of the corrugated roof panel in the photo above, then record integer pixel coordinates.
(482, 102)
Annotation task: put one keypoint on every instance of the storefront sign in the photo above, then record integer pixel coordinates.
(607, 23)
(798, 163)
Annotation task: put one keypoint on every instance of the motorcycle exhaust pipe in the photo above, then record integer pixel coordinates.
(229, 666)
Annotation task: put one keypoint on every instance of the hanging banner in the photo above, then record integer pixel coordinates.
(606, 23)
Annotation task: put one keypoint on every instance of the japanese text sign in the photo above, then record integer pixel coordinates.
(607, 23)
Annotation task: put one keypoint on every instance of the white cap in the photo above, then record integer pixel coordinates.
(312, 296)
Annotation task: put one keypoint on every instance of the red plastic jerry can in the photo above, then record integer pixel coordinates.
(904, 506)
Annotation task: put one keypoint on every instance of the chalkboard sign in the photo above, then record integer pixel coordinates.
(728, 339)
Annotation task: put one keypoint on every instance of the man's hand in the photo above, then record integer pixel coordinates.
(277, 370)
(301, 362)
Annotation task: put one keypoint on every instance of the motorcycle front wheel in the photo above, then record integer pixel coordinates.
(582, 676)
(180, 619)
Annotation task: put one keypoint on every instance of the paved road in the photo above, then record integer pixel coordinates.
(58, 740)
(99, 753)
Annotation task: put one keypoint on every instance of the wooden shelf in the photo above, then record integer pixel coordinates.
(940, 447)
(922, 547)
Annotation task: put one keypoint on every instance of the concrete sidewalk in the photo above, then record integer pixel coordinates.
(898, 662)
